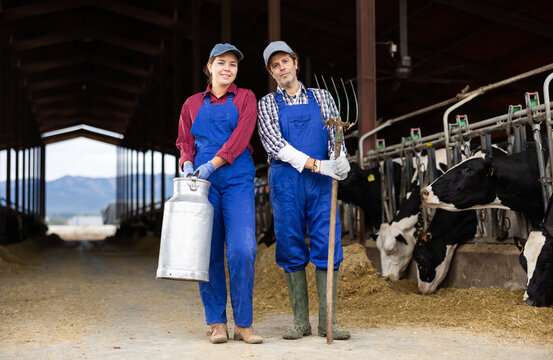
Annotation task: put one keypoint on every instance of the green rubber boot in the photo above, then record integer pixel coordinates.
(297, 288)
(339, 334)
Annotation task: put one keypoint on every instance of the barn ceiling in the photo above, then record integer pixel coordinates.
(127, 66)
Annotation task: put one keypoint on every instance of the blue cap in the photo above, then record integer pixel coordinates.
(223, 48)
(276, 46)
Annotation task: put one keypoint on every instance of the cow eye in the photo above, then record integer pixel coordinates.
(467, 170)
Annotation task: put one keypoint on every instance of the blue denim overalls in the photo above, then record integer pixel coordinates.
(232, 196)
(301, 201)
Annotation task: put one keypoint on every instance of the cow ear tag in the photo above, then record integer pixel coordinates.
(520, 246)
(370, 178)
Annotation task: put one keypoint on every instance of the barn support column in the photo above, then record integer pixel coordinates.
(366, 68)
(196, 45)
(126, 181)
(8, 177)
(162, 179)
(24, 155)
(143, 182)
(35, 182)
(226, 22)
(366, 77)
(42, 180)
(137, 181)
(273, 12)
(121, 183)
(152, 182)
(16, 202)
(29, 178)
(131, 183)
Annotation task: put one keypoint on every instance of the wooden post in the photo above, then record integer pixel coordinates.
(366, 68)
(366, 78)
(196, 45)
(226, 25)
(273, 11)
(42, 180)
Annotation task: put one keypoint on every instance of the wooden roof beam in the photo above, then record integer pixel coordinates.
(135, 13)
(40, 8)
(502, 15)
(122, 86)
(86, 33)
(49, 7)
(71, 97)
(84, 133)
(62, 123)
(83, 59)
(81, 111)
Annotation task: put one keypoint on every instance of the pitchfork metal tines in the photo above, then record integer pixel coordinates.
(335, 120)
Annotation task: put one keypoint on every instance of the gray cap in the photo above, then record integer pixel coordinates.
(275, 46)
(223, 48)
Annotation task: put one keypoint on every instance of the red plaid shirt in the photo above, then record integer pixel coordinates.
(246, 104)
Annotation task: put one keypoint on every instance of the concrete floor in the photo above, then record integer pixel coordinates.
(81, 302)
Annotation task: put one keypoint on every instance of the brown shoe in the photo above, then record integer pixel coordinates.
(218, 333)
(247, 334)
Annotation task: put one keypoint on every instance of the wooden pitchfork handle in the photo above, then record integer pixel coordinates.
(331, 243)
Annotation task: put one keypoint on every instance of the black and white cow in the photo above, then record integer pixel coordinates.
(536, 258)
(362, 188)
(396, 240)
(433, 253)
(509, 182)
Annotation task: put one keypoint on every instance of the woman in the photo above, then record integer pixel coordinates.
(214, 132)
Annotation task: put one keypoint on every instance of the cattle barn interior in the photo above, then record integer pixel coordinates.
(119, 71)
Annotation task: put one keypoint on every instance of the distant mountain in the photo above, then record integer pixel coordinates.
(78, 195)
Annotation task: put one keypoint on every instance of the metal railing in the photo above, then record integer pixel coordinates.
(456, 138)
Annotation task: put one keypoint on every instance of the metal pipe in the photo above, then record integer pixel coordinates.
(445, 123)
(400, 118)
(478, 128)
(548, 123)
(458, 97)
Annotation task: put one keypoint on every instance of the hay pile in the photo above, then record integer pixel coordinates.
(358, 279)
(365, 300)
(16, 256)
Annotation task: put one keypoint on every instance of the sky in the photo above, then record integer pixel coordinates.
(84, 157)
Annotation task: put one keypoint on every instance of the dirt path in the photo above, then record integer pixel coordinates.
(81, 302)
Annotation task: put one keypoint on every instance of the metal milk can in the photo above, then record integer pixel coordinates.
(186, 232)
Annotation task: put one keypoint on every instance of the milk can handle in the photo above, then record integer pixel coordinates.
(193, 184)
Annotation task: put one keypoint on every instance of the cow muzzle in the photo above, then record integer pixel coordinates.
(428, 196)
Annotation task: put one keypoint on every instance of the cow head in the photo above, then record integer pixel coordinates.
(395, 242)
(362, 188)
(434, 250)
(433, 257)
(536, 257)
(466, 185)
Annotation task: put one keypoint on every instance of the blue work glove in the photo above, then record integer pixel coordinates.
(187, 169)
(204, 171)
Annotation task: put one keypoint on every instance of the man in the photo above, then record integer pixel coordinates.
(300, 177)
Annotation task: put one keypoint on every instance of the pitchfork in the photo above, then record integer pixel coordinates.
(335, 121)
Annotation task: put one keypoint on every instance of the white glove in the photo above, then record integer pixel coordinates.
(337, 169)
(342, 167)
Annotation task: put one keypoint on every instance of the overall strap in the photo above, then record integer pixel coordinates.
(207, 99)
(310, 95)
(279, 100)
